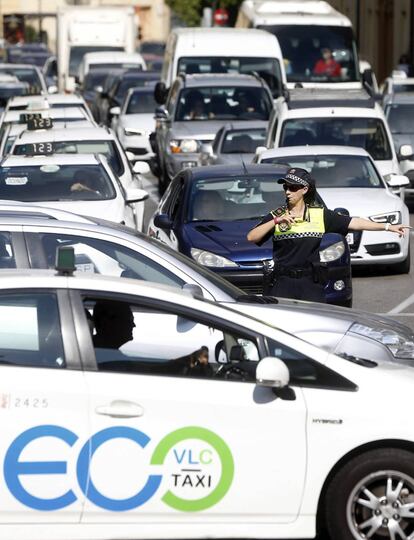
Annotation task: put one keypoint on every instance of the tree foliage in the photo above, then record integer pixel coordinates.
(190, 11)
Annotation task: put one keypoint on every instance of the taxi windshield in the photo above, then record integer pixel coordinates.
(367, 133)
(317, 53)
(223, 103)
(241, 198)
(335, 171)
(107, 148)
(50, 182)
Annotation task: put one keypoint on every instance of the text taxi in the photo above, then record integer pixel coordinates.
(131, 411)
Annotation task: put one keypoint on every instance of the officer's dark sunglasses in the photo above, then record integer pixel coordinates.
(292, 187)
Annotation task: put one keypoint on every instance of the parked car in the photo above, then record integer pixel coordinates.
(346, 177)
(207, 212)
(196, 108)
(234, 144)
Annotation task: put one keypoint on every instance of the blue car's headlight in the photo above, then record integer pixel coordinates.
(206, 258)
(332, 253)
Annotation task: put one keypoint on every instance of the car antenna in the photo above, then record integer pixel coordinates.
(244, 167)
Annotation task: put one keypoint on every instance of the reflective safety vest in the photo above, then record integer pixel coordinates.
(312, 226)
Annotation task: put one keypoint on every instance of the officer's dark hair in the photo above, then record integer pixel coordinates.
(310, 196)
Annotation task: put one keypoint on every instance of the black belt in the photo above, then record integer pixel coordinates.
(292, 272)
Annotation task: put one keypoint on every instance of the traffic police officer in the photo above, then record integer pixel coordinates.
(297, 229)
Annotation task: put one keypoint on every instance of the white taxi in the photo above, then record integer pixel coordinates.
(188, 420)
(80, 183)
(58, 114)
(87, 140)
(21, 103)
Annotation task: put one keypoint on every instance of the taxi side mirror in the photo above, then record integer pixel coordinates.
(134, 195)
(272, 373)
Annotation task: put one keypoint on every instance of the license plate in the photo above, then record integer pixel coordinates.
(350, 238)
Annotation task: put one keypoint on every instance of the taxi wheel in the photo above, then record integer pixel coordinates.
(372, 496)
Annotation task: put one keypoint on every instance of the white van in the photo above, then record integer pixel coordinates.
(222, 50)
(317, 41)
(109, 60)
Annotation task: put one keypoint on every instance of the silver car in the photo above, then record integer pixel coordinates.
(234, 144)
(29, 236)
(196, 108)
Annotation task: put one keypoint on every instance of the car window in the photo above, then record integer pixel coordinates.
(223, 103)
(304, 371)
(30, 333)
(126, 338)
(367, 133)
(141, 102)
(400, 117)
(93, 256)
(50, 182)
(243, 141)
(7, 259)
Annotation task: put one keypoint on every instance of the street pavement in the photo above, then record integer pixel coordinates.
(376, 289)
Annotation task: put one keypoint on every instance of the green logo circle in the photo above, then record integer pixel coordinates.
(227, 467)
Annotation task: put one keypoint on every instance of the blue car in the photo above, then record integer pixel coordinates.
(207, 212)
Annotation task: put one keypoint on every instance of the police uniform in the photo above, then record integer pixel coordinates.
(296, 248)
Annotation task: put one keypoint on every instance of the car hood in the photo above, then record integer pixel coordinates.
(314, 321)
(227, 238)
(111, 209)
(204, 130)
(361, 202)
(138, 121)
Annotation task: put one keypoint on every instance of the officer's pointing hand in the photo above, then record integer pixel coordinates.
(399, 229)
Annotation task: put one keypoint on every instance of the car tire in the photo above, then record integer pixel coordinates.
(360, 498)
(404, 266)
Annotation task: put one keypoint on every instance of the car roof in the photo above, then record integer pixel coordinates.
(317, 97)
(246, 124)
(219, 79)
(51, 98)
(58, 112)
(112, 56)
(220, 171)
(312, 150)
(62, 134)
(336, 112)
(25, 213)
(55, 159)
(16, 129)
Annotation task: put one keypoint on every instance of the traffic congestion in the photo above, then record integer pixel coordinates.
(205, 280)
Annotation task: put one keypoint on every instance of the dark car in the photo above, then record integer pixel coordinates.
(92, 87)
(116, 93)
(28, 53)
(207, 212)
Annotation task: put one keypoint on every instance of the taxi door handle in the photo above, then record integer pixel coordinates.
(120, 409)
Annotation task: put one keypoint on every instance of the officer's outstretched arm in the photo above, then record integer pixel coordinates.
(256, 234)
(362, 224)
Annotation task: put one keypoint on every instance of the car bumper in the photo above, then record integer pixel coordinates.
(379, 248)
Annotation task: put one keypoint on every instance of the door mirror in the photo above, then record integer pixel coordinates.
(134, 195)
(163, 221)
(207, 149)
(195, 290)
(397, 180)
(130, 156)
(406, 151)
(162, 114)
(272, 372)
(115, 111)
(160, 93)
(52, 89)
(260, 150)
(98, 89)
(141, 167)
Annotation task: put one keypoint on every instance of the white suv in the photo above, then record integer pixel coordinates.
(315, 117)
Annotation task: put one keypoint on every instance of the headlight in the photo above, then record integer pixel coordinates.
(390, 217)
(140, 132)
(206, 258)
(184, 146)
(332, 253)
(399, 343)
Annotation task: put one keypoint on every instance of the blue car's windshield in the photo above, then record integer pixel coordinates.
(225, 199)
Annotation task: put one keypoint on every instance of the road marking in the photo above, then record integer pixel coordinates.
(404, 304)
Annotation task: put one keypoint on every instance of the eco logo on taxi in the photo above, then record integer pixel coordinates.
(193, 465)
